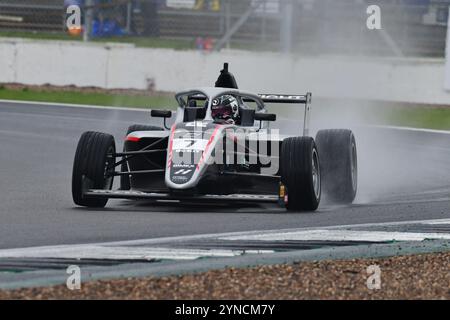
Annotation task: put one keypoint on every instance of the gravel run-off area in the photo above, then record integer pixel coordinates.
(424, 276)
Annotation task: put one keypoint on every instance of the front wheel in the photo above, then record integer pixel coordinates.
(93, 167)
(300, 173)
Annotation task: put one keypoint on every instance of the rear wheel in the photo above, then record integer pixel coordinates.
(92, 168)
(300, 173)
(339, 164)
(125, 183)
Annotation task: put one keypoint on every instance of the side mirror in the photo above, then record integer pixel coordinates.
(161, 113)
(265, 117)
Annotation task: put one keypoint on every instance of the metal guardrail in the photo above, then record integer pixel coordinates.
(303, 26)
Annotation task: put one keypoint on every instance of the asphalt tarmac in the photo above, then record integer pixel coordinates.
(403, 175)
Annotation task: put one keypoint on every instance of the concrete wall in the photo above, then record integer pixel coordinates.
(123, 66)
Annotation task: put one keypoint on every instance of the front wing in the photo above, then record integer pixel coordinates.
(139, 195)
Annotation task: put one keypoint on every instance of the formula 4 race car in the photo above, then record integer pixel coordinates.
(219, 148)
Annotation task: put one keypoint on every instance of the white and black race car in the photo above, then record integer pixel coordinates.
(219, 148)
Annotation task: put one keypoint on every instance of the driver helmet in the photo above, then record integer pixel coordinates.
(225, 109)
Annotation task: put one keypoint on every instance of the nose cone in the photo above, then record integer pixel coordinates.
(191, 146)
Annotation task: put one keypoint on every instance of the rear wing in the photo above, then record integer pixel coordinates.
(292, 99)
(284, 98)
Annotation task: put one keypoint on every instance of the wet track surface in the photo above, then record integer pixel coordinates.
(404, 175)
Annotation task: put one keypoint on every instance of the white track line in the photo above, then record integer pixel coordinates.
(122, 253)
(411, 129)
(72, 105)
(127, 249)
(442, 221)
(341, 235)
(409, 201)
(231, 234)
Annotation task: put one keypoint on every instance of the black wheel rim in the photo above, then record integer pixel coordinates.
(354, 168)
(315, 173)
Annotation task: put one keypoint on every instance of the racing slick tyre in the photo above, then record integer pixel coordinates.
(339, 165)
(94, 159)
(125, 180)
(300, 173)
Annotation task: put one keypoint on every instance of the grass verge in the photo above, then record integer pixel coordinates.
(410, 115)
(417, 117)
(142, 42)
(89, 98)
(138, 41)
